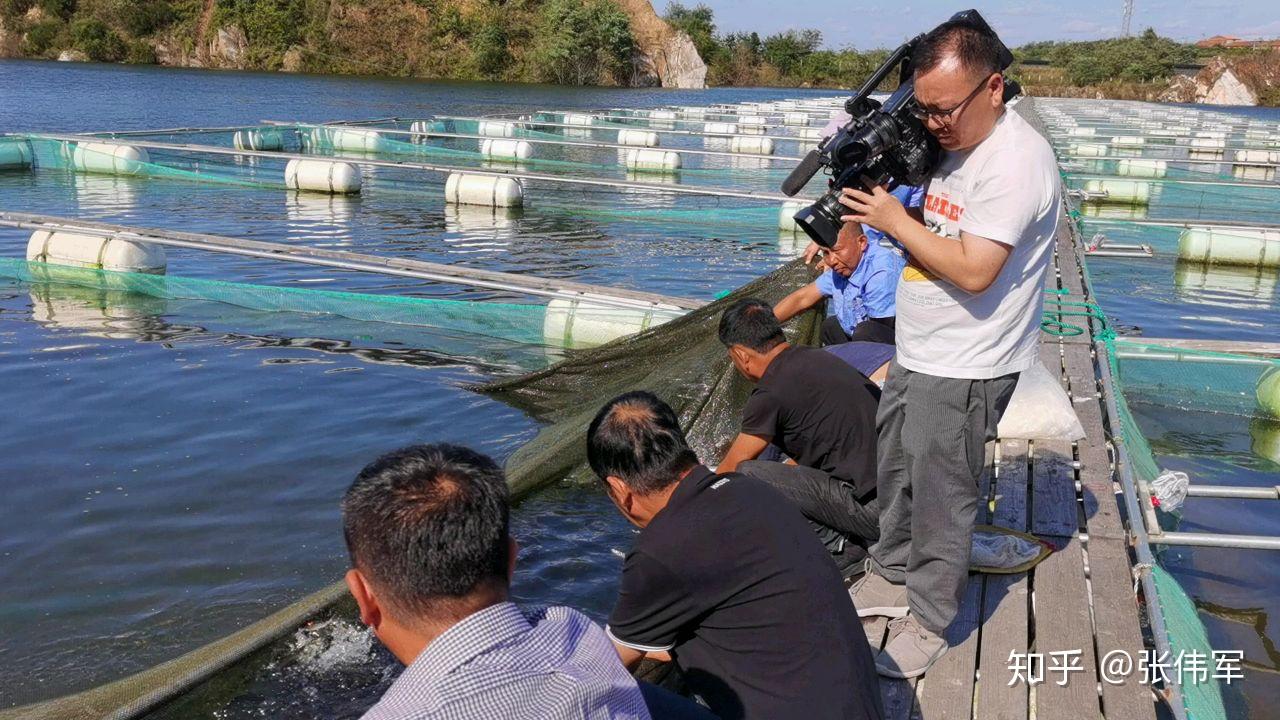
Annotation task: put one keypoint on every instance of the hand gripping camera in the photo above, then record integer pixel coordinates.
(880, 143)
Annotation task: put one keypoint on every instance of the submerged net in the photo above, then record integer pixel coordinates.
(520, 323)
(682, 361)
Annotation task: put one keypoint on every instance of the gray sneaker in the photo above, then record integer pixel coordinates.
(911, 649)
(873, 595)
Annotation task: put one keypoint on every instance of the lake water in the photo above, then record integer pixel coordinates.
(171, 469)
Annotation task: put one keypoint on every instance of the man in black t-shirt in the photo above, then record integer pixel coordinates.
(726, 579)
(820, 412)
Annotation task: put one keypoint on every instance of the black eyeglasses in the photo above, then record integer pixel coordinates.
(946, 115)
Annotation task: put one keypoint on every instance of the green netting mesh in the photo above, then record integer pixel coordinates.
(682, 361)
(1188, 637)
(368, 140)
(509, 321)
(100, 158)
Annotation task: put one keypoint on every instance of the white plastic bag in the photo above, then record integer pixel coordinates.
(1040, 409)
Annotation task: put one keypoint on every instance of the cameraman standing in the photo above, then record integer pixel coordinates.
(969, 307)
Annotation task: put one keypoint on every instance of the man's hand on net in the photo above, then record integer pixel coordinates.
(813, 251)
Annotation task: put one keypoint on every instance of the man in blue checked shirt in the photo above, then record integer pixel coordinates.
(427, 530)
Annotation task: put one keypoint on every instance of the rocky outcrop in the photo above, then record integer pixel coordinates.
(72, 56)
(1224, 82)
(665, 56)
(227, 48)
(292, 60)
(10, 42)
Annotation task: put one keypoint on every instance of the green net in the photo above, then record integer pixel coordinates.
(515, 322)
(682, 361)
(1188, 638)
(117, 160)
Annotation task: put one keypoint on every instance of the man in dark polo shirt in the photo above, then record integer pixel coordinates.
(820, 412)
(726, 579)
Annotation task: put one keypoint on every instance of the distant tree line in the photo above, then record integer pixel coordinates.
(793, 57)
(1144, 58)
(583, 42)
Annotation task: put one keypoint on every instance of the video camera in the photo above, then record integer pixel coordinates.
(879, 144)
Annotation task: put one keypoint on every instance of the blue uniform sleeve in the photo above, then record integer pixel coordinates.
(826, 283)
(912, 195)
(880, 289)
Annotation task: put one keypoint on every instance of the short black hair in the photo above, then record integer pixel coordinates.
(429, 524)
(636, 437)
(977, 50)
(751, 323)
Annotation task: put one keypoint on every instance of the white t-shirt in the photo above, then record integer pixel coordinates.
(1005, 189)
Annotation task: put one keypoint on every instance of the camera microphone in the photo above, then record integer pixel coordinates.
(803, 173)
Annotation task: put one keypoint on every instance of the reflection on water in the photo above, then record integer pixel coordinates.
(325, 220)
(471, 229)
(1265, 439)
(99, 313)
(1225, 286)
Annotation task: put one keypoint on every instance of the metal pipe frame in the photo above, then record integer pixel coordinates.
(360, 262)
(532, 141)
(543, 123)
(429, 167)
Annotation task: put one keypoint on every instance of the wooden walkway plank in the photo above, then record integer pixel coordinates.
(1054, 510)
(1063, 625)
(1098, 489)
(1005, 600)
(1115, 618)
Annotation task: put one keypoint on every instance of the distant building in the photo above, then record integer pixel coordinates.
(1231, 41)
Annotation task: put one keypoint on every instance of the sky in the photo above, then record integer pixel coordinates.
(865, 24)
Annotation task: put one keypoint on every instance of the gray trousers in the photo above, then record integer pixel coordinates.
(930, 451)
(830, 504)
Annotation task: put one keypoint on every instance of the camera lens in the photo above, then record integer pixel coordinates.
(821, 220)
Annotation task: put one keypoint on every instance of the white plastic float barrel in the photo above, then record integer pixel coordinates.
(1129, 140)
(638, 138)
(1082, 132)
(1265, 157)
(751, 125)
(488, 190)
(1142, 167)
(1126, 191)
(795, 118)
(758, 145)
(578, 119)
(696, 113)
(1220, 135)
(720, 128)
(1207, 147)
(811, 133)
(504, 149)
(258, 139)
(15, 155)
(109, 158)
(662, 114)
(577, 323)
(1089, 149)
(1269, 393)
(58, 247)
(1231, 246)
(651, 160)
(1253, 172)
(370, 141)
(497, 128)
(786, 215)
(327, 176)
